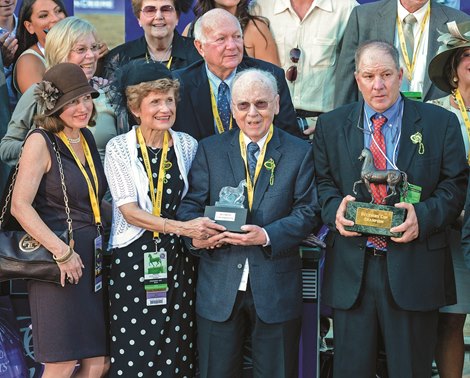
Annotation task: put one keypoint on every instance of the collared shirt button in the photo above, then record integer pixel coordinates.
(239, 266)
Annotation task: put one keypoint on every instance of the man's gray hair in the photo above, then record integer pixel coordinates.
(260, 76)
(382, 46)
(212, 20)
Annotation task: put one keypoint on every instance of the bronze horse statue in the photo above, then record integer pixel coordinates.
(370, 174)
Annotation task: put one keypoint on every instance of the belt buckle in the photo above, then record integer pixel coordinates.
(375, 252)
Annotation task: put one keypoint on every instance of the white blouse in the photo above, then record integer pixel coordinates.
(128, 181)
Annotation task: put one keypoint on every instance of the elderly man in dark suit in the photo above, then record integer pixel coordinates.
(378, 21)
(249, 283)
(391, 286)
(205, 85)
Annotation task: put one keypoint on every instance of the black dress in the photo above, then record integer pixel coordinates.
(154, 341)
(69, 322)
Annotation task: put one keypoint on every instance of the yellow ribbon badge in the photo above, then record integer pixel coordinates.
(417, 138)
(270, 165)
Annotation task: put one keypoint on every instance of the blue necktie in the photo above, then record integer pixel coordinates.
(252, 148)
(223, 105)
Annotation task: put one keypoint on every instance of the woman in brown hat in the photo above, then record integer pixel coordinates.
(450, 71)
(68, 320)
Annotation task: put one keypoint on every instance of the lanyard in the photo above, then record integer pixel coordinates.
(464, 113)
(168, 64)
(164, 165)
(259, 164)
(215, 111)
(410, 65)
(91, 191)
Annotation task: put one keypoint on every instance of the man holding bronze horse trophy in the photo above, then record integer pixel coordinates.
(391, 175)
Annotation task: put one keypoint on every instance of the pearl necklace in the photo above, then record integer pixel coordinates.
(74, 140)
(154, 58)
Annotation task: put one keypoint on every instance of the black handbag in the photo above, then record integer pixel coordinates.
(21, 256)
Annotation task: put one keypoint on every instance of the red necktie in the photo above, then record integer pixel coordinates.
(379, 191)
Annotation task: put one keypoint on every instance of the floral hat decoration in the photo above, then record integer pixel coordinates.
(61, 84)
(458, 36)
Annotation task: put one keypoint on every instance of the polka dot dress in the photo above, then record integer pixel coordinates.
(154, 341)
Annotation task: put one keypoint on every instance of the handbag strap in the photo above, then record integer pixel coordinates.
(62, 181)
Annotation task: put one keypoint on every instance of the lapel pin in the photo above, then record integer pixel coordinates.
(270, 165)
(417, 138)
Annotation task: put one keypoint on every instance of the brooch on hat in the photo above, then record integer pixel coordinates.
(417, 138)
(46, 95)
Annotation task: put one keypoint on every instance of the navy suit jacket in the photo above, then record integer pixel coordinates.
(377, 20)
(194, 111)
(420, 272)
(287, 211)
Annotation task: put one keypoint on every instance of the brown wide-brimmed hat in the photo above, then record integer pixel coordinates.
(61, 84)
(457, 37)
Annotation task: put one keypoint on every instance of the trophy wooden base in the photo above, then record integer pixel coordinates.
(373, 219)
(231, 218)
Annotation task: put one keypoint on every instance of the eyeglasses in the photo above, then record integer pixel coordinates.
(81, 50)
(244, 106)
(151, 11)
(291, 73)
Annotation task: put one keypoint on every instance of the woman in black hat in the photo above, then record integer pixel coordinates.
(68, 320)
(152, 285)
(449, 70)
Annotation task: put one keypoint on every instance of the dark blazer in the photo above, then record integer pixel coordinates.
(287, 211)
(377, 20)
(466, 231)
(4, 119)
(420, 272)
(183, 52)
(194, 111)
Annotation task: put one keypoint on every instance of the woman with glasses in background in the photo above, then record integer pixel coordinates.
(160, 43)
(257, 38)
(71, 40)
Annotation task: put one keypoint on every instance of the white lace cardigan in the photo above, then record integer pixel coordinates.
(128, 181)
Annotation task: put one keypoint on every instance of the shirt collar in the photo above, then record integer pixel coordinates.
(392, 113)
(260, 143)
(419, 14)
(283, 5)
(215, 81)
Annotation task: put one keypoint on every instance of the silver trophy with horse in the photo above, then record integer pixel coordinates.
(229, 210)
(372, 218)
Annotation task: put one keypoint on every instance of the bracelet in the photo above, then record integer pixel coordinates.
(164, 223)
(65, 258)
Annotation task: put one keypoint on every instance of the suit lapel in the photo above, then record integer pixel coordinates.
(354, 136)
(201, 103)
(272, 152)
(235, 159)
(386, 25)
(409, 125)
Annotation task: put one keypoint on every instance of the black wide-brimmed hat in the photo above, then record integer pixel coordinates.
(61, 84)
(457, 37)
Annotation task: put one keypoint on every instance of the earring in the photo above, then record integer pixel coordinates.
(455, 79)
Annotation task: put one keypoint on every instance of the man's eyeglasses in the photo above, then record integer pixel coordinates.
(244, 106)
(291, 73)
(151, 11)
(81, 50)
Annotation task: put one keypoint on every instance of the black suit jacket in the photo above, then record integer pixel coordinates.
(377, 20)
(194, 112)
(287, 210)
(420, 272)
(183, 52)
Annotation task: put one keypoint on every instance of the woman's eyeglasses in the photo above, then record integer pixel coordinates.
(81, 50)
(244, 106)
(291, 73)
(151, 11)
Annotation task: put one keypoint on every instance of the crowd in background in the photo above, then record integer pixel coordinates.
(137, 128)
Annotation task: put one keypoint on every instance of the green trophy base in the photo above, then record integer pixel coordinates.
(231, 218)
(373, 219)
